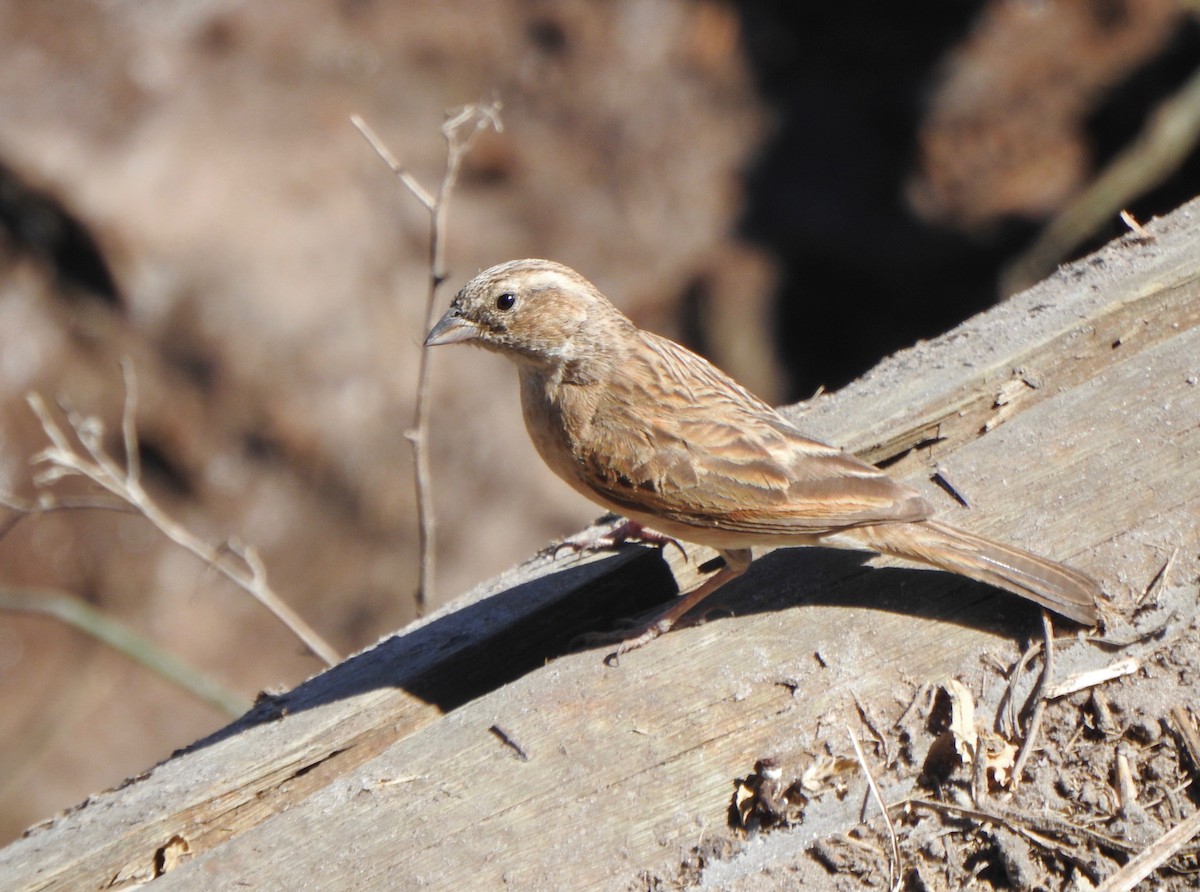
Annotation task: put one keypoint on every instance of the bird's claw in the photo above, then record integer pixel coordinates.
(625, 531)
(627, 640)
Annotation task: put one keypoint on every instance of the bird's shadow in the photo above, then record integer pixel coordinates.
(468, 653)
(830, 577)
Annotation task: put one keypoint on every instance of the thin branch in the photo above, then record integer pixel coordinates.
(46, 503)
(133, 456)
(1134, 226)
(1168, 137)
(1050, 832)
(460, 132)
(895, 874)
(1152, 857)
(1159, 582)
(1039, 706)
(1186, 730)
(390, 160)
(62, 460)
(80, 615)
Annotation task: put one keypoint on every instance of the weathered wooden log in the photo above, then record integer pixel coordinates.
(477, 748)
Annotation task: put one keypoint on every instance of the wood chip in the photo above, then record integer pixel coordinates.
(1082, 680)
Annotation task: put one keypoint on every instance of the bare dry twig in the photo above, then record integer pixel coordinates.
(1039, 704)
(1182, 720)
(1091, 677)
(1152, 857)
(21, 509)
(1159, 582)
(1040, 827)
(895, 873)
(1168, 137)
(1134, 226)
(460, 130)
(1007, 712)
(63, 459)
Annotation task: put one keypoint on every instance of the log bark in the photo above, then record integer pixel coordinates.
(476, 749)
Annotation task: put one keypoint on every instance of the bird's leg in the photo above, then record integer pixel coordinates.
(625, 531)
(737, 561)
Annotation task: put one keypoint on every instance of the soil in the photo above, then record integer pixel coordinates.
(1111, 767)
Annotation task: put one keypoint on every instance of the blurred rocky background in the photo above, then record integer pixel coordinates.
(793, 189)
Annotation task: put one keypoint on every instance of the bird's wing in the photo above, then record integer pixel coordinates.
(675, 437)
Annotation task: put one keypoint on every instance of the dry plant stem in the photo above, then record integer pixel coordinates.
(1126, 787)
(1152, 857)
(21, 509)
(78, 614)
(1134, 226)
(1159, 581)
(1048, 826)
(1010, 720)
(895, 874)
(1039, 706)
(1090, 678)
(1182, 720)
(1170, 134)
(460, 131)
(64, 460)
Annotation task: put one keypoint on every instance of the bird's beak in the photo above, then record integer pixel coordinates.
(451, 329)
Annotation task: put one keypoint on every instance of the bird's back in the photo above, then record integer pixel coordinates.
(669, 432)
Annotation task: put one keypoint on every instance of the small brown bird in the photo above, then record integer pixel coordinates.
(651, 431)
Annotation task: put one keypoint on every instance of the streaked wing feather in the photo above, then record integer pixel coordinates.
(758, 474)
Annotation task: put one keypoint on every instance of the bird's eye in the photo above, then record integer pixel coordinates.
(505, 301)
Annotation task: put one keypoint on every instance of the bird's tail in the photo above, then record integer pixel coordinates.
(1049, 583)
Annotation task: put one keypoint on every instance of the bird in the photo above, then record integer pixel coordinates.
(657, 434)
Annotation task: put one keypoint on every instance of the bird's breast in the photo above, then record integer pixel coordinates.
(557, 420)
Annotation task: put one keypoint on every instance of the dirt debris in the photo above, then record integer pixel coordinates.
(1109, 775)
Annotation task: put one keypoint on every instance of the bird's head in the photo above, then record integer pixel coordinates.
(533, 311)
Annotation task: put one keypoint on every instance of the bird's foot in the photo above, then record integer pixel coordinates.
(626, 639)
(633, 634)
(734, 565)
(627, 530)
